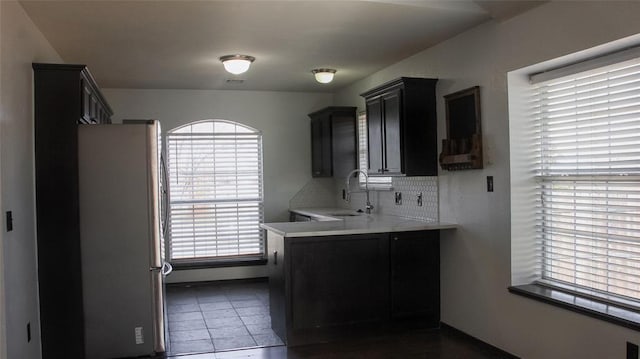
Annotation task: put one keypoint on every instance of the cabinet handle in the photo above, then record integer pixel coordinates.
(275, 258)
(380, 170)
(395, 238)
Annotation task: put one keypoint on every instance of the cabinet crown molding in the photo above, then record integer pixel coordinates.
(399, 82)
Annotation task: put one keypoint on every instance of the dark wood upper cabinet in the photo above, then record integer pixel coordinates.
(402, 128)
(333, 141)
(64, 96)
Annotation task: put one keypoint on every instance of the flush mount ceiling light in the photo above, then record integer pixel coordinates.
(237, 64)
(324, 76)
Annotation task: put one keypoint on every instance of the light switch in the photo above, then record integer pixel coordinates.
(9, 221)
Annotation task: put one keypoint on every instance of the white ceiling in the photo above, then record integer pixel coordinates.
(176, 44)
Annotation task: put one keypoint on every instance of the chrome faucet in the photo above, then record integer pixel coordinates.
(368, 207)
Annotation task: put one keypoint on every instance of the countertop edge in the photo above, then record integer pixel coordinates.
(295, 234)
(381, 224)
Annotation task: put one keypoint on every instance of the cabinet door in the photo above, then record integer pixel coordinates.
(392, 108)
(342, 280)
(344, 137)
(321, 147)
(415, 276)
(374, 136)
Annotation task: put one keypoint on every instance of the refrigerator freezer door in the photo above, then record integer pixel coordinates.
(119, 234)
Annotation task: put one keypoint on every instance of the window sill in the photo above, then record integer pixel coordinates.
(605, 311)
(220, 263)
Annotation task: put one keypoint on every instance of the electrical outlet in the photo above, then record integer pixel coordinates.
(9, 221)
(28, 332)
(419, 199)
(632, 351)
(398, 198)
(139, 336)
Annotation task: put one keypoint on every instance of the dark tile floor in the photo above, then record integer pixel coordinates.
(423, 344)
(231, 321)
(217, 317)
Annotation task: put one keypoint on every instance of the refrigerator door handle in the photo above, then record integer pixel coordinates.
(167, 268)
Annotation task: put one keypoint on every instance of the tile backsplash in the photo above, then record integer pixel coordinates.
(384, 200)
(327, 192)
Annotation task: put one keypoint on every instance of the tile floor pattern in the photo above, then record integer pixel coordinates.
(217, 317)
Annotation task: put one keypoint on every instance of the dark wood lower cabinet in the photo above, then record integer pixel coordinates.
(415, 276)
(329, 287)
(338, 281)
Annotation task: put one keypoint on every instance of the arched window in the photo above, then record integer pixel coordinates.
(215, 187)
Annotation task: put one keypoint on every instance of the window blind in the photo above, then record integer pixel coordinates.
(587, 165)
(216, 199)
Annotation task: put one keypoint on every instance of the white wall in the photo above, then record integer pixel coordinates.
(476, 258)
(280, 116)
(3, 322)
(21, 43)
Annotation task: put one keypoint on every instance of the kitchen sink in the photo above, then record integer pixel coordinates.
(346, 213)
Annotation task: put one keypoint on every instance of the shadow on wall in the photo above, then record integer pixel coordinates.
(317, 193)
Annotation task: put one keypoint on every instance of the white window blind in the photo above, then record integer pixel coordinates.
(587, 128)
(363, 157)
(216, 200)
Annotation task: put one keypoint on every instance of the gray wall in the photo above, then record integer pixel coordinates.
(476, 258)
(280, 116)
(21, 44)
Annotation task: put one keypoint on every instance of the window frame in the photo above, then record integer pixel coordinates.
(525, 280)
(258, 257)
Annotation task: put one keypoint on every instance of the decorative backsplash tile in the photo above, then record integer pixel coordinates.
(327, 193)
(384, 201)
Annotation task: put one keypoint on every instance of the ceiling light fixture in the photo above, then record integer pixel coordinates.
(324, 76)
(237, 64)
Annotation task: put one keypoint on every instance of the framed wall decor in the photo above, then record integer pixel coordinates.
(462, 149)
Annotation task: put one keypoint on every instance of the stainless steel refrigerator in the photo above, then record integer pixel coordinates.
(121, 231)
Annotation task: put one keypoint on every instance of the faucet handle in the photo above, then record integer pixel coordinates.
(368, 208)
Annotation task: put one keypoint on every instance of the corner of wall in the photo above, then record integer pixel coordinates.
(317, 193)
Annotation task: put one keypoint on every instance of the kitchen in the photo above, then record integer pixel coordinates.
(475, 258)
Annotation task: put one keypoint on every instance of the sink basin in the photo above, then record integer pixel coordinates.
(346, 213)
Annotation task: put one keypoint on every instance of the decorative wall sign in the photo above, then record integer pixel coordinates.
(462, 149)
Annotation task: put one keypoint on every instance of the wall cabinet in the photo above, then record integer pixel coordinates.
(323, 288)
(333, 141)
(64, 96)
(402, 128)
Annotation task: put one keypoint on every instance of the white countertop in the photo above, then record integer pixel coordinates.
(335, 221)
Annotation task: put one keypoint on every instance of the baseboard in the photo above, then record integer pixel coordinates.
(222, 281)
(455, 331)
